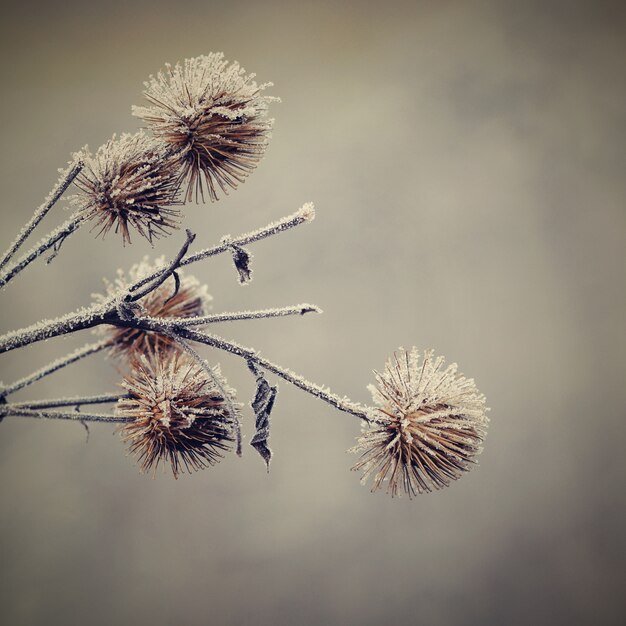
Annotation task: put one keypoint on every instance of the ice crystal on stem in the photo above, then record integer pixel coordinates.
(428, 425)
(213, 117)
(179, 414)
(129, 183)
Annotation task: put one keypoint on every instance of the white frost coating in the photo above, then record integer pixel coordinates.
(213, 117)
(430, 425)
(85, 317)
(299, 309)
(183, 91)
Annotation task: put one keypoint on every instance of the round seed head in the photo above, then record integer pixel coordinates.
(212, 117)
(180, 414)
(427, 427)
(129, 183)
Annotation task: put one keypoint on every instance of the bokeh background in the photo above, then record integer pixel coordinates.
(466, 160)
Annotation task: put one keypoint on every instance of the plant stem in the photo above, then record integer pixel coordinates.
(55, 238)
(303, 215)
(64, 182)
(78, 320)
(299, 309)
(343, 404)
(78, 354)
(10, 409)
(75, 401)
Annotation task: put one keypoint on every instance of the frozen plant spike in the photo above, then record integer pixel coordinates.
(213, 118)
(427, 428)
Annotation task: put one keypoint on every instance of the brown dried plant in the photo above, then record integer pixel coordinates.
(428, 428)
(213, 117)
(186, 299)
(129, 183)
(179, 413)
(210, 129)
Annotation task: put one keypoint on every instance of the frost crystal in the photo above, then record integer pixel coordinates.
(427, 428)
(129, 183)
(179, 413)
(213, 117)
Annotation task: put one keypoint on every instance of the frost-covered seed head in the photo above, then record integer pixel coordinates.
(192, 299)
(129, 183)
(428, 425)
(213, 118)
(179, 414)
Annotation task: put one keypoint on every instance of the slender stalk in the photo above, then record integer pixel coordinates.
(78, 320)
(78, 354)
(106, 313)
(303, 215)
(10, 409)
(55, 238)
(343, 404)
(164, 274)
(64, 182)
(299, 309)
(75, 401)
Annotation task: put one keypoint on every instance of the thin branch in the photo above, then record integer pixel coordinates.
(78, 320)
(90, 348)
(299, 309)
(303, 215)
(64, 182)
(53, 239)
(109, 312)
(343, 404)
(75, 401)
(164, 273)
(9, 409)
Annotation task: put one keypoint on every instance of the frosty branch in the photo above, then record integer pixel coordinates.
(206, 128)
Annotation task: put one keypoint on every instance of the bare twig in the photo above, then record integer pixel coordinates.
(299, 309)
(75, 401)
(90, 348)
(108, 313)
(95, 315)
(55, 238)
(343, 404)
(163, 274)
(64, 182)
(302, 216)
(11, 410)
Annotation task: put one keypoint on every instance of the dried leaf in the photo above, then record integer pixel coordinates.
(262, 406)
(241, 259)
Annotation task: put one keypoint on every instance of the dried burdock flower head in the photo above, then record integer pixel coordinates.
(188, 298)
(179, 413)
(427, 428)
(129, 183)
(213, 118)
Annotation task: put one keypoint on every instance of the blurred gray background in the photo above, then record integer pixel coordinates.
(467, 164)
